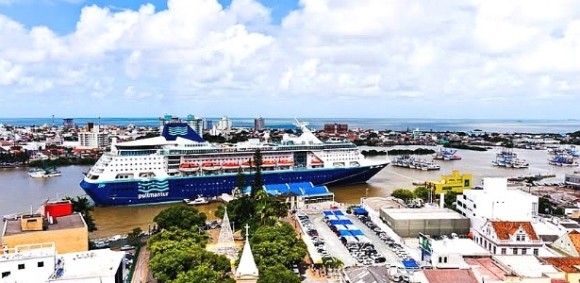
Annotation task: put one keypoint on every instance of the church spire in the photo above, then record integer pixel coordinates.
(247, 268)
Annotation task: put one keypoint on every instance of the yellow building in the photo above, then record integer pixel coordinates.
(455, 182)
(69, 233)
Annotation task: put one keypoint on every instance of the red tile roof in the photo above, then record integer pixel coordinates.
(566, 264)
(504, 229)
(575, 238)
(450, 276)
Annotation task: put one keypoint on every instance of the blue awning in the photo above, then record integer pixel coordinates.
(338, 212)
(360, 211)
(356, 232)
(344, 233)
(410, 264)
(328, 212)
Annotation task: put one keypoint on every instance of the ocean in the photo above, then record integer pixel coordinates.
(397, 124)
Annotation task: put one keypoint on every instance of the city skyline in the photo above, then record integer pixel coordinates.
(308, 58)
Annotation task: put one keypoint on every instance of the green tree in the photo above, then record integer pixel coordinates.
(258, 182)
(276, 244)
(134, 237)
(450, 198)
(422, 193)
(403, 194)
(240, 182)
(277, 274)
(180, 216)
(202, 274)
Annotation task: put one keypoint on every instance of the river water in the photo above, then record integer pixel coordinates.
(20, 193)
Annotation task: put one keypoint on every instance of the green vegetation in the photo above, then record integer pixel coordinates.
(403, 194)
(258, 182)
(134, 237)
(449, 199)
(464, 146)
(418, 151)
(422, 193)
(178, 254)
(18, 158)
(84, 207)
(62, 161)
(180, 217)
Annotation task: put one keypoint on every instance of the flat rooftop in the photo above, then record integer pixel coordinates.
(376, 203)
(486, 268)
(526, 266)
(95, 263)
(422, 213)
(464, 247)
(75, 220)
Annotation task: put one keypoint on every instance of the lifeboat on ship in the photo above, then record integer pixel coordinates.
(188, 167)
(285, 162)
(211, 166)
(231, 165)
(247, 164)
(316, 162)
(268, 163)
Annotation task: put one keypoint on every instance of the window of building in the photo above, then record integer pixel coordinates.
(520, 237)
(444, 259)
(21, 266)
(524, 251)
(5, 274)
(40, 264)
(503, 251)
(515, 251)
(494, 251)
(536, 251)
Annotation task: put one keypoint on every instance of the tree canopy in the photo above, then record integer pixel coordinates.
(403, 194)
(82, 205)
(276, 244)
(277, 274)
(180, 216)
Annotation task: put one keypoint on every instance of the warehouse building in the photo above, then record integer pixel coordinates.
(409, 223)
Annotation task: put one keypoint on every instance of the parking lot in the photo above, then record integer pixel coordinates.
(333, 245)
(380, 245)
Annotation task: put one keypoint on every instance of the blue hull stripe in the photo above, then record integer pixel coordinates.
(177, 188)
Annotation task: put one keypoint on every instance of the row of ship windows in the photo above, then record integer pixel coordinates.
(131, 164)
(136, 169)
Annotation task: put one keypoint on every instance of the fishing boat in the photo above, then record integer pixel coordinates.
(43, 172)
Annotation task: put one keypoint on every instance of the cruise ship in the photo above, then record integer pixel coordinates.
(179, 164)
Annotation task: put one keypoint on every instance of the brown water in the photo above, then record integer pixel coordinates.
(18, 192)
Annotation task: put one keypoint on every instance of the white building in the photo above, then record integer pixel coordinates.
(508, 238)
(41, 263)
(224, 124)
(449, 252)
(497, 202)
(196, 123)
(93, 139)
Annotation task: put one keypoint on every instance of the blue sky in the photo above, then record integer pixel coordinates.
(309, 58)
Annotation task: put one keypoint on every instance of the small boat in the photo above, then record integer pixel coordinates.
(268, 163)
(199, 200)
(43, 173)
(285, 162)
(211, 166)
(188, 167)
(231, 165)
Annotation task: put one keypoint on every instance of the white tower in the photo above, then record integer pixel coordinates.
(247, 271)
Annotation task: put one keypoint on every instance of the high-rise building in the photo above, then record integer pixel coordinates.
(259, 124)
(68, 123)
(224, 124)
(336, 128)
(93, 138)
(196, 123)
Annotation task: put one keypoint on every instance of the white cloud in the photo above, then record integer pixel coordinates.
(369, 52)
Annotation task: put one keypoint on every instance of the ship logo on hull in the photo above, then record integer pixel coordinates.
(153, 189)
